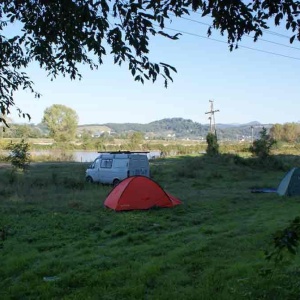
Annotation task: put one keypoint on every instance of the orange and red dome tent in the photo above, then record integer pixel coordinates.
(139, 192)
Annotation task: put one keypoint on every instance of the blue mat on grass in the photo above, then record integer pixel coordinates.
(264, 190)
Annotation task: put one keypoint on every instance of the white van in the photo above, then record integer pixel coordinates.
(112, 167)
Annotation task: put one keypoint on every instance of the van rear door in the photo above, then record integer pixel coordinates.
(120, 168)
(139, 165)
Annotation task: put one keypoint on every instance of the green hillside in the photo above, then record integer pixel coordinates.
(168, 128)
(178, 128)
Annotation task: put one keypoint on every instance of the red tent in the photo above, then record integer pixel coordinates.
(139, 192)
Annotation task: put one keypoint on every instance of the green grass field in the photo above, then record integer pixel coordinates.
(58, 241)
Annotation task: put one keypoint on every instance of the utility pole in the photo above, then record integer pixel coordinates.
(211, 118)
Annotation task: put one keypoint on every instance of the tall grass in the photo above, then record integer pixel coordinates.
(58, 241)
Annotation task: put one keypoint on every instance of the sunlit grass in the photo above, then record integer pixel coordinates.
(60, 241)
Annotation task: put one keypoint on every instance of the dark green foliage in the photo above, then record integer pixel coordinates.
(212, 144)
(262, 147)
(271, 162)
(60, 35)
(285, 242)
(19, 156)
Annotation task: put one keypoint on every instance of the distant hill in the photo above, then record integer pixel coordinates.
(170, 127)
(177, 128)
(93, 128)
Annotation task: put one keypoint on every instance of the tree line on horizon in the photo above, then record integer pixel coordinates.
(61, 123)
(288, 132)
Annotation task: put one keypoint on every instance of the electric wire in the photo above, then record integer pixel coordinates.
(264, 30)
(223, 42)
(260, 39)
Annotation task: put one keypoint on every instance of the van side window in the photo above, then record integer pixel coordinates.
(106, 163)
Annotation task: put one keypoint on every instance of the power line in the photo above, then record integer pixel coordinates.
(275, 43)
(219, 41)
(260, 39)
(196, 21)
(276, 33)
(265, 30)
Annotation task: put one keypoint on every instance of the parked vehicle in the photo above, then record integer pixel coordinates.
(113, 167)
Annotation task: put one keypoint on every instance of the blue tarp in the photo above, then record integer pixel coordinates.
(264, 190)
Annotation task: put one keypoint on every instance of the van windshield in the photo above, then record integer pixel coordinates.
(93, 165)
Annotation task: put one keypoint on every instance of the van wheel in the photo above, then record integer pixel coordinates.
(116, 182)
(89, 179)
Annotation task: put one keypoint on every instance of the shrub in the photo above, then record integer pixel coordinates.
(19, 156)
(262, 147)
(285, 242)
(212, 144)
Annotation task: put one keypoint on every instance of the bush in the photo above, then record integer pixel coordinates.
(19, 156)
(285, 242)
(262, 147)
(212, 144)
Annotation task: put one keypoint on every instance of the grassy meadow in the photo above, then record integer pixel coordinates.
(58, 241)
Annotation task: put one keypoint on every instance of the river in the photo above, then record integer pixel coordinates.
(78, 156)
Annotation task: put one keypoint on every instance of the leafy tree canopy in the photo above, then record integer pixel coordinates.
(59, 35)
(61, 121)
(288, 132)
(136, 138)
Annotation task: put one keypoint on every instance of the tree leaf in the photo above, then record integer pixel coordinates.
(292, 39)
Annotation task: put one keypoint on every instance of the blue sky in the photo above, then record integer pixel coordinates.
(245, 85)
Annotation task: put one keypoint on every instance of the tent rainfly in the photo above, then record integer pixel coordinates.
(139, 192)
(290, 184)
